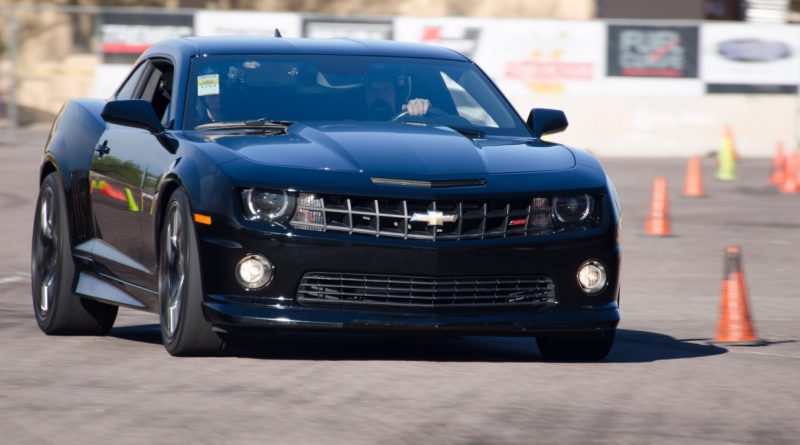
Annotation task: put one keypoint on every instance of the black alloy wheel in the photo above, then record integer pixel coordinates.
(184, 330)
(57, 308)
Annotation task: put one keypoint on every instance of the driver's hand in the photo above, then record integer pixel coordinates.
(417, 107)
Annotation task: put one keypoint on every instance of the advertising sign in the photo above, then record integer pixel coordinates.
(460, 34)
(325, 28)
(123, 37)
(652, 51)
(523, 56)
(748, 58)
(544, 56)
(234, 23)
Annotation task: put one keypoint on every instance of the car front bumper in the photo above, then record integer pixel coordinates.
(231, 308)
(232, 314)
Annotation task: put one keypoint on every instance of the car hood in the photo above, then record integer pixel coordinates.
(393, 150)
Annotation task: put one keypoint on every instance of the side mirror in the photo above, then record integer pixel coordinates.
(545, 121)
(132, 113)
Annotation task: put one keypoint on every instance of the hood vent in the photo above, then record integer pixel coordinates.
(429, 184)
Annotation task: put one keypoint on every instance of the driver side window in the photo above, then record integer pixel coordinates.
(157, 89)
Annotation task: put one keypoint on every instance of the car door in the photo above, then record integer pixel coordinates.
(117, 176)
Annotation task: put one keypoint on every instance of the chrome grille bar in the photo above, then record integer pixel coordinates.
(393, 217)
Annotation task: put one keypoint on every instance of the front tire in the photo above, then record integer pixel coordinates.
(576, 349)
(58, 310)
(184, 330)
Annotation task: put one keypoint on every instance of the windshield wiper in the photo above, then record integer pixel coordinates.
(256, 124)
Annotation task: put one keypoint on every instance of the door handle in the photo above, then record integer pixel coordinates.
(102, 149)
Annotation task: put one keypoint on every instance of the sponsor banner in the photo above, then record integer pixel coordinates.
(460, 34)
(544, 57)
(652, 51)
(522, 56)
(123, 37)
(749, 58)
(325, 28)
(230, 23)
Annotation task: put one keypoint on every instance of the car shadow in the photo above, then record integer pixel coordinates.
(631, 346)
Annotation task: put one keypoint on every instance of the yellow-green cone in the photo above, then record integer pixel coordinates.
(726, 163)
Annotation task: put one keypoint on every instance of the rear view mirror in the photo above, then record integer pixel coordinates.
(545, 121)
(132, 113)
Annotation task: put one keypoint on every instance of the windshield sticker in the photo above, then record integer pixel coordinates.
(208, 85)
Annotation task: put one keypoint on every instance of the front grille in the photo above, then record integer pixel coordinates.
(426, 292)
(396, 217)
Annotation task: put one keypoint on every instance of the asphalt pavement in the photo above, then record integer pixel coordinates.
(661, 383)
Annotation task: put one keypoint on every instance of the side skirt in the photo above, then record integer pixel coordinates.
(110, 290)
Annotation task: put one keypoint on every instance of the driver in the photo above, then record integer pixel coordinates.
(208, 109)
(381, 97)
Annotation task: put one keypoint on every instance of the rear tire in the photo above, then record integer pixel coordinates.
(184, 329)
(58, 310)
(576, 349)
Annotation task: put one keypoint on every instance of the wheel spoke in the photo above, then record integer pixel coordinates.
(44, 304)
(46, 217)
(174, 273)
(46, 293)
(46, 251)
(178, 233)
(170, 250)
(174, 229)
(179, 286)
(173, 310)
(172, 318)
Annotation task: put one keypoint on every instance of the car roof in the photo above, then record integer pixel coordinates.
(222, 45)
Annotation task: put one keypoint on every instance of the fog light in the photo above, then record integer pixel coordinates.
(592, 277)
(254, 271)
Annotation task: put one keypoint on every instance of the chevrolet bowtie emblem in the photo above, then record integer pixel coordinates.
(434, 218)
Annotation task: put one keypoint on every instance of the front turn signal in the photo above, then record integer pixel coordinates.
(202, 219)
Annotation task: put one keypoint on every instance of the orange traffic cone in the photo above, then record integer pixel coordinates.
(778, 166)
(790, 182)
(657, 223)
(734, 327)
(693, 184)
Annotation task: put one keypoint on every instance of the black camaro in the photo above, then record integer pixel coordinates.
(246, 184)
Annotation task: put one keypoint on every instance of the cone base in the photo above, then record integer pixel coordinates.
(754, 342)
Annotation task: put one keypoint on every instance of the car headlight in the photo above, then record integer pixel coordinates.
(268, 205)
(571, 209)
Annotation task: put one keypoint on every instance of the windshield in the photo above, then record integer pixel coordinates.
(336, 88)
